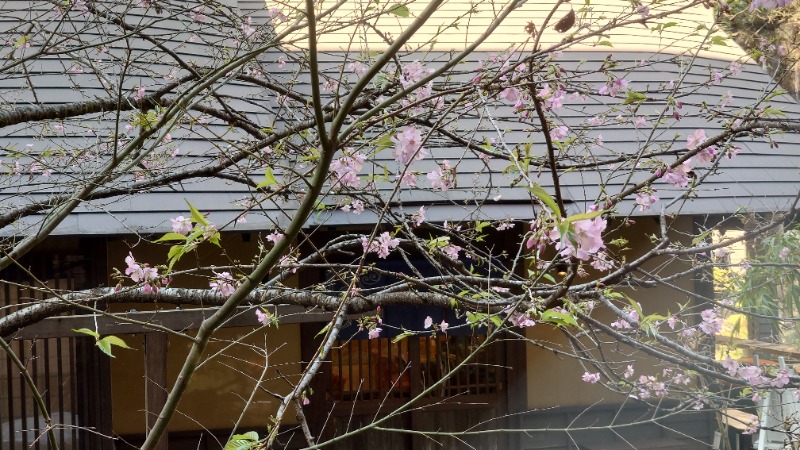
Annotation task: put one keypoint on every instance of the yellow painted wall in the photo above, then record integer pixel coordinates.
(235, 358)
(218, 391)
(556, 381)
(458, 23)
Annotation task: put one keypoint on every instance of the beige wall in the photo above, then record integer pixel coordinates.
(234, 361)
(556, 381)
(219, 390)
(458, 23)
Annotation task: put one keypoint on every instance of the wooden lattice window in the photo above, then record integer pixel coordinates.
(378, 369)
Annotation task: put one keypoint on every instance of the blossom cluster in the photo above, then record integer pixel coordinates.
(223, 284)
(142, 273)
(584, 240)
(383, 245)
(346, 169)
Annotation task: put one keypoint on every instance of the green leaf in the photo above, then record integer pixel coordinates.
(245, 441)
(401, 336)
(584, 216)
(719, 40)
(105, 344)
(474, 318)
(634, 97)
(171, 237)
(86, 331)
(542, 195)
(559, 318)
(772, 112)
(197, 217)
(323, 330)
(605, 43)
(269, 179)
(702, 236)
(400, 10)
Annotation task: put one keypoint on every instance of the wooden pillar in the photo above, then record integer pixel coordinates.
(155, 394)
(417, 420)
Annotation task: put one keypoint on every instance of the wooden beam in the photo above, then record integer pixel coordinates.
(759, 346)
(155, 394)
(174, 319)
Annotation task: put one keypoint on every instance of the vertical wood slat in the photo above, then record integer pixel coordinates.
(73, 369)
(35, 412)
(155, 354)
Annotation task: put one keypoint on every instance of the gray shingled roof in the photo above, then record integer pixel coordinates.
(762, 178)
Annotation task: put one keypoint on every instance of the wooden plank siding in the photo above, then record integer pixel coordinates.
(72, 379)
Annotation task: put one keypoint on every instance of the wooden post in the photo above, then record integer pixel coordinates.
(155, 394)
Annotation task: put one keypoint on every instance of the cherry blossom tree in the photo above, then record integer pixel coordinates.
(482, 176)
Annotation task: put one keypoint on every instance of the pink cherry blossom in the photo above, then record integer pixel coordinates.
(143, 274)
(441, 178)
(522, 320)
(262, 317)
(408, 146)
(621, 324)
(181, 225)
(274, 237)
(596, 121)
(413, 72)
(585, 240)
(711, 324)
(346, 169)
(444, 326)
(752, 425)
(781, 379)
(247, 27)
(613, 87)
(374, 333)
(511, 95)
(628, 372)
(707, 155)
(277, 15)
(357, 67)
(288, 262)
(679, 176)
(558, 133)
(451, 251)
(735, 68)
(769, 4)
(428, 322)
(196, 14)
(419, 217)
(383, 246)
(591, 377)
(223, 284)
(645, 200)
(693, 141)
(408, 179)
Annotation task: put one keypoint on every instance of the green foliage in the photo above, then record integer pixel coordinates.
(475, 319)
(203, 231)
(246, 441)
(400, 10)
(104, 344)
(559, 318)
(269, 179)
(634, 97)
(771, 285)
(545, 198)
